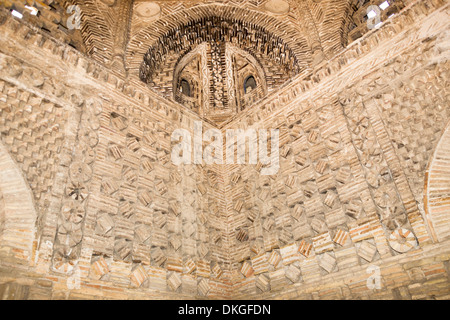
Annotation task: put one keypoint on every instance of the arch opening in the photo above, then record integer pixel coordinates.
(249, 84)
(185, 87)
(437, 189)
(17, 211)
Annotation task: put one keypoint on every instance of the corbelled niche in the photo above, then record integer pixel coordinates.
(92, 207)
(214, 59)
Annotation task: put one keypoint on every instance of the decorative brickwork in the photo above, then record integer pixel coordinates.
(92, 205)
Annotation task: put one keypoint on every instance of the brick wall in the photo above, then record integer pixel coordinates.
(116, 219)
(345, 188)
(112, 208)
(2, 214)
(436, 197)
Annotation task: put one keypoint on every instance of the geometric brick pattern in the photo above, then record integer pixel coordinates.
(115, 210)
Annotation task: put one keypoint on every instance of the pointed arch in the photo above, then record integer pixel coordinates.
(437, 189)
(147, 37)
(17, 211)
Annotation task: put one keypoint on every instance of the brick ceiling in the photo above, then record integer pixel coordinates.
(145, 39)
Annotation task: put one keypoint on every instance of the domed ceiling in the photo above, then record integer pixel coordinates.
(224, 65)
(226, 54)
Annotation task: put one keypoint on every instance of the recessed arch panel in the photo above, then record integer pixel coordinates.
(18, 214)
(437, 189)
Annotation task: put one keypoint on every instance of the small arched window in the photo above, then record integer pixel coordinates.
(250, 82)
(185, 88)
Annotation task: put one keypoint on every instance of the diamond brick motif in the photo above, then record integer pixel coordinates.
(318, 225)
(289, 254)
(402, 240)
(341, 237)
(99, 268)
(313, 136)
(260, 263)
(217, 271)
(301, 230)
(335, 217)
(175, 242)
(216, 237)
(122, 249)
(285, 150)
(110, 185)
(149, 138)
(159, 220)
(278, 279)
(362, 232)
(330, 199)
(142, 233)
(263, 283)
(252, 214)
(161, 187)
(202, 250)
(285, 236)
(235, 177)
(146, 164)
(367, 251)
(323, 243)
(189, 284)
(333, 141)
(159, 238)
(238, 205)
(305, 248)
(158, 256)
(188, 230)
(129, 175)
(203, 268)
(174, 281)
(321, 166)
(242, 235)
(116, 152)
(274, 258)
(297, 212)
(301, 159)
(174, 263)
(293, 273)
(354, 209)
(145, 197)
(350, 172)
(343, 174)
(162, 157)
(325, 182)
(119, 122)
(327, 262)
(126, 209)
(190, 266)
(247, 269)
(133, 143)
(257, 247)
(138, 276)
(290, 180)
(270, 242)
(203, 287)
(201, 188)
(268, 224)
(105, 225)
(174, 206)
